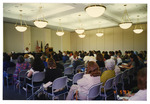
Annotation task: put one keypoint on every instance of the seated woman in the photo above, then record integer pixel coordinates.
(142, 85)
(133, 63)
(43, 58)
(100, 60)
(37, 66)
(21, 65)
(52, 72)
(91, 77)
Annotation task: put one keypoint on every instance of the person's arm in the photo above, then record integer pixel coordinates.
(29, 73)
(82, 81)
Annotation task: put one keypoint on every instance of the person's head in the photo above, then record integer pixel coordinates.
(6, 57)
(43, 58)
(110, 64)
(26, 56)
(27, 48)
(38, 64)
(106, 56)
(140, 56)
(93, 69)
(142, 78)
(51, 63)
(99, 57)
(20, 59)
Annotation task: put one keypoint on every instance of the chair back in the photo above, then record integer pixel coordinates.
(125, 74)
(109, 84)
(118, 78)
(66, 65)
(77, 76)
(59, 83)
(68, 71)
(94, 91)
(11, 70)
(79, 67)
(38, 77)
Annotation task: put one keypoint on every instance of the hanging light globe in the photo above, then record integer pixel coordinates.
(81, 35)
(99, 34)
(21, 28)
(79, 31)
(59, 33)
(95, 10)
(138, 31)
(125, 25)
(138, 28)
(40, 23)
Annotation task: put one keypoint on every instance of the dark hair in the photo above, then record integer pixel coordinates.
(93, 69)
(43, 58)
(140, 55)
(20, 59)
(106, 56)
(51, 63)
(142, 78)
(38, 64)
(99, 57)
(6, 57)
(135, 59)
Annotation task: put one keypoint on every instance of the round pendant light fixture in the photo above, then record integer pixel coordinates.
(138, 28)
(81, 35)
(20, 27)
(99, 32)
(95, 10)
(60, 32)
(126, 22)
(79, 30)
(40, 23)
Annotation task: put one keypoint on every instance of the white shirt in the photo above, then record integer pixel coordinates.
(140, 95)
(119, 60)
(117, 70)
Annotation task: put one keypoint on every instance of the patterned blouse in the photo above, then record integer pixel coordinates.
(20, 67)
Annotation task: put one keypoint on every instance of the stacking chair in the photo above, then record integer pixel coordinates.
(76, 77)
(58, 84)
(79, 67)
(66, 65)
(21, 78)
(109, 84)
(9, 74)
(68, 71)
(117, 80)
(94, 91)
(36, 81)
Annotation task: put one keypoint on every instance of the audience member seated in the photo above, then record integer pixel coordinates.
(52, 72)
(142, 86)
(134, 63)
(65, 57)
(13, 58)
(100, 60)
(117, 69)
(43, 58)
(141, 61)
(109, 73)
(119, 60)
(91, 77)
(21, 65)
(37, 66)
(26, 58)
(27, 50)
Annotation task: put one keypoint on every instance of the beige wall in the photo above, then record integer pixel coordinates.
(60, 43)
(114, 38)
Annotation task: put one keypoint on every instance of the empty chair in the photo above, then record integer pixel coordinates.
(9, 74)
(109, 84)
(68, 71)
(94, 91)
(79, 67)
(59, 84)
(76, 77)
(66, 65)
(36, 81)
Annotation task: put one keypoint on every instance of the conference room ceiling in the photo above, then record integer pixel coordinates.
(68, 13)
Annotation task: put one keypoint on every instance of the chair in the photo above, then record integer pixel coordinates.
(9, 74)
(79, 67)
(94, 91)
(76, 77)
(117, 80)
(68, 71)
(66, 65)
(22, 75)
(59, 83)
(109, 84)
(37, 77)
